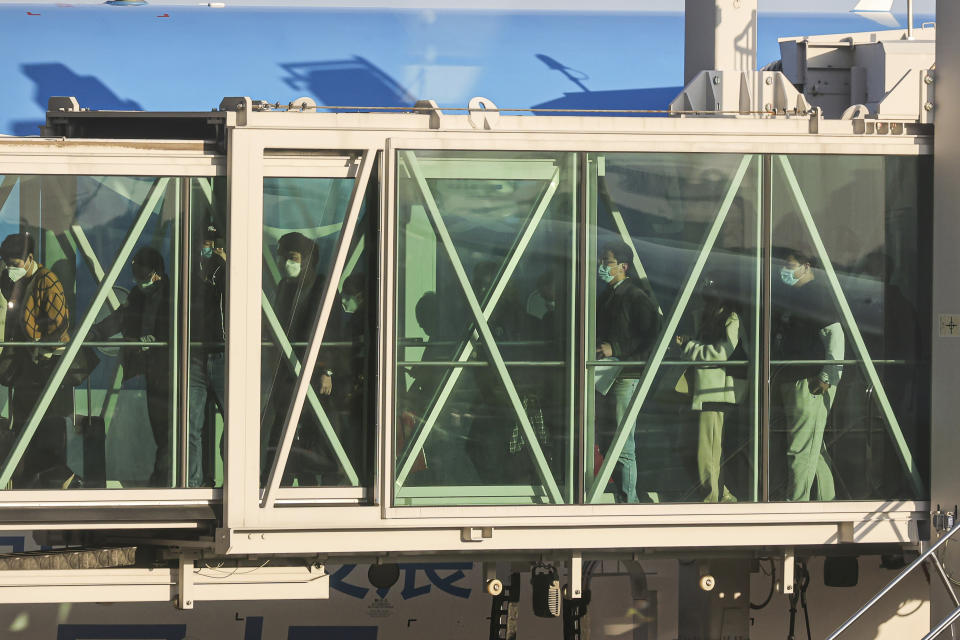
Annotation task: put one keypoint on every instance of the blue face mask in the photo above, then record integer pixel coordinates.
(206, 252)
(604, 273)
(788, 277)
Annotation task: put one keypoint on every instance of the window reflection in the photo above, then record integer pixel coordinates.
(144, 318)
(674, 413)
(89, 331)
(485, 277)
(851, 276)
(332, 443)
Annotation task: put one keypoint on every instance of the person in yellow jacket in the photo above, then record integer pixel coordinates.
(36, 311)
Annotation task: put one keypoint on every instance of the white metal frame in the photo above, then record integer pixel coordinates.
(551, 175)
(626, 427)
(192, 581)
(365, 528)
(293, 524)
(73, 347)
(305, 378)
(148, 158)
(256, 154)
(851, 328)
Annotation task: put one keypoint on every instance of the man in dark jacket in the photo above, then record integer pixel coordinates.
(296, 303)
(207, 326)
(352, 365)
(145, 317)
(628, 323)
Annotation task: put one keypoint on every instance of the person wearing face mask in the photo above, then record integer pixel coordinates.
(208, 327)
(352, 367)
(627, 327)
(806, 327)
(296, 302)
(145, 317)
(36, 312)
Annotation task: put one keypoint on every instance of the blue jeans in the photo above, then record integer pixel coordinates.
(206, 376)
(625, 473)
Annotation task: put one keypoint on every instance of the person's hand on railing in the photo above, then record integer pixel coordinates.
(146, 340)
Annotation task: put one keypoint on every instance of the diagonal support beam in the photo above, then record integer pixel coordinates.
(206, 187)
(112, 395)
(850, 324)
(945, 579)
(416, 444)
(354, 259)
(323, 316)
(6, 187)
(154, 196)
(943, 625)
(626, 237)
(93, 263)
(281, 341)
(536, 452)
(408, 457)
(625, 428)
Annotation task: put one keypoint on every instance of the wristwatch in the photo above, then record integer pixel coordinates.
(328, 372)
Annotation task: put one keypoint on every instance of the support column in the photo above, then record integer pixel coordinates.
(719, 35)
(945, 357)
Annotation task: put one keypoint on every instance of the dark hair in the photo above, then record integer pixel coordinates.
(16, 246)
(803, 256)
(296, 241)
(355, 283)
(621, 251)
(484, 273)
(718, 305)
(426, 313)
(149, 258)
(211, 232)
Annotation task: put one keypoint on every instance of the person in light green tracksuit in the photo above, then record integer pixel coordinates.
(806, 328)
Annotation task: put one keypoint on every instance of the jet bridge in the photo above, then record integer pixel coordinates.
(427, 380)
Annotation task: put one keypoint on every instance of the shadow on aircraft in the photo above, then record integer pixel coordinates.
(358, 82)
(353, 82)
(653, 98)
(56, 79)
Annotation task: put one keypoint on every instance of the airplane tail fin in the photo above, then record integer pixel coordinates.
(885, 6)
(879, 11)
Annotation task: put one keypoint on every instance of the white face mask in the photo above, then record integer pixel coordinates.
(15, 273)
(146, 284)
(292, 268)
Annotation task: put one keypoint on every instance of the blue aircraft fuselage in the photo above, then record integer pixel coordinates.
(187, 58)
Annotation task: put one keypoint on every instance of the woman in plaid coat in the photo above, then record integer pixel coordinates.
(36, 311)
